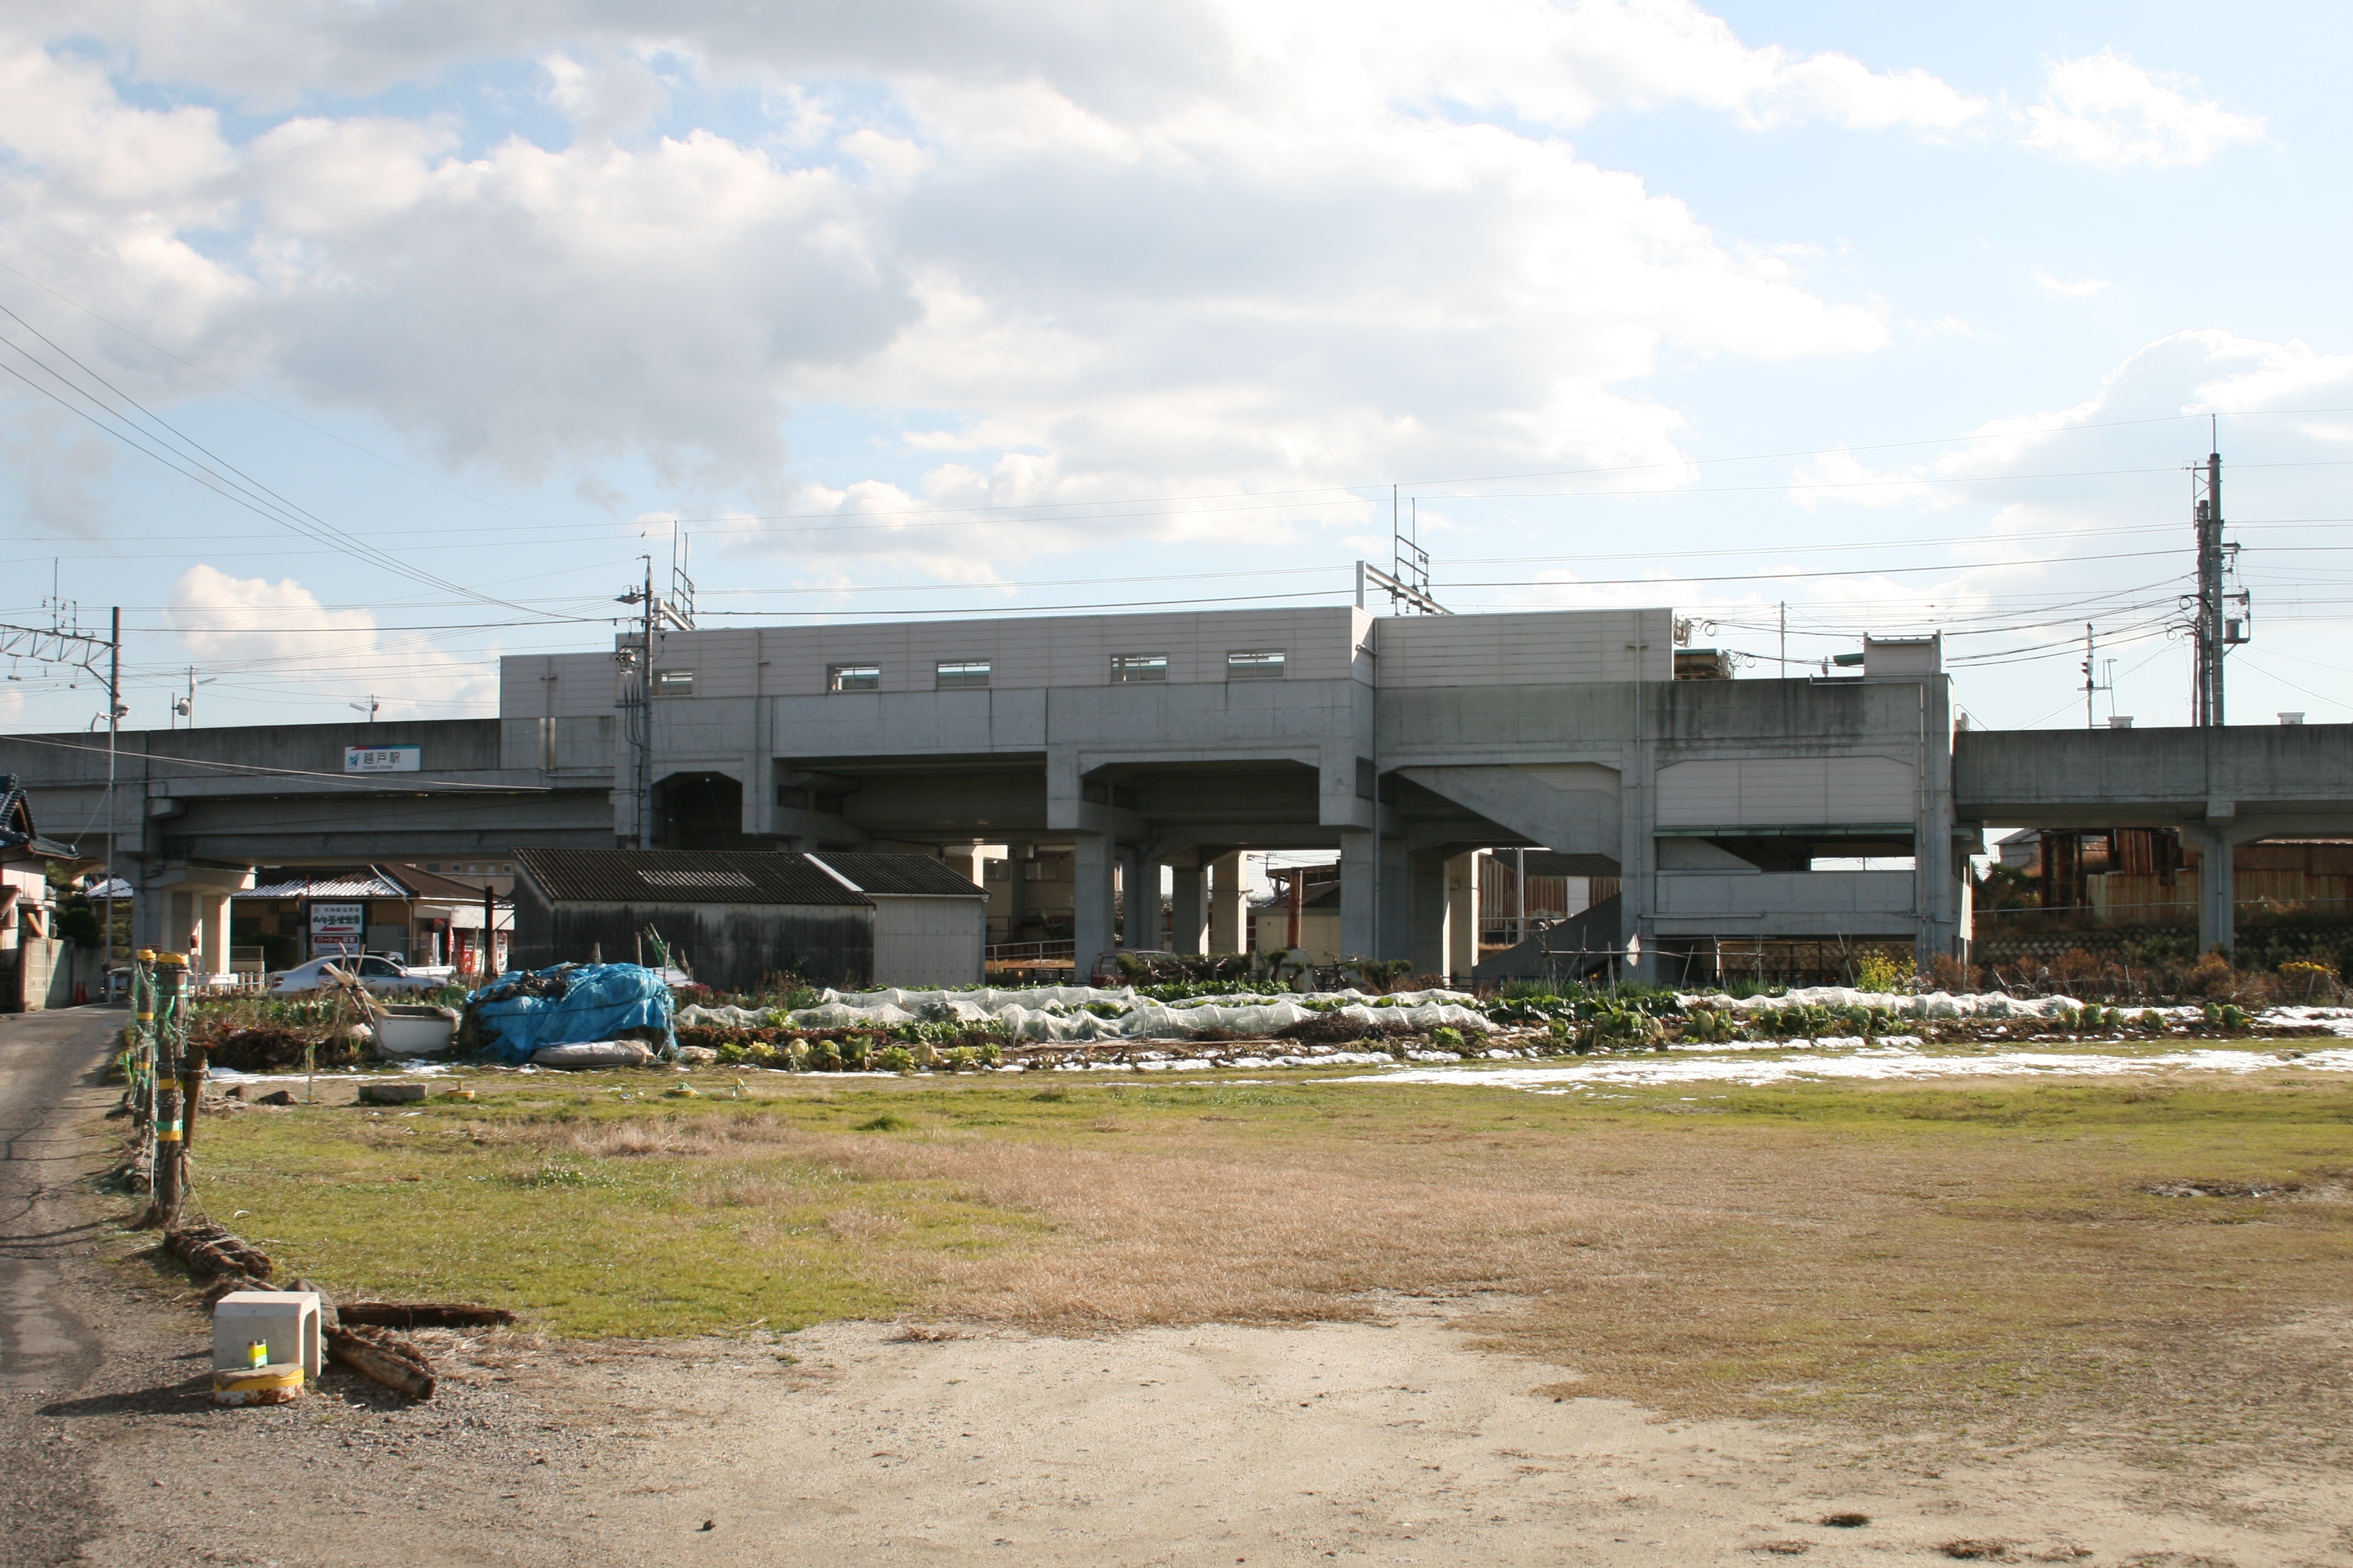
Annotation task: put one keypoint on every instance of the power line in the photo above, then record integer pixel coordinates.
(244, 490)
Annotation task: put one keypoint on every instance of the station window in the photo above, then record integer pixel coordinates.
(1138, 669)
(674, 683)
(1254, 664)
(960, 674)
(853, 678)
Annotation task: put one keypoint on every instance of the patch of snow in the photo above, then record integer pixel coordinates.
(1881, 1063)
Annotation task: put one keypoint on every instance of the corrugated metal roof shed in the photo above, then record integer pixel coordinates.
(362, 882)
(886, 874)
(329, 882)
(682, 877)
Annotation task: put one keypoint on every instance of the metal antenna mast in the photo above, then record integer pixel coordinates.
(1408, 579)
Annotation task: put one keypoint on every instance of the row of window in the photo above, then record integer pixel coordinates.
(971, 674)
(1126, 669)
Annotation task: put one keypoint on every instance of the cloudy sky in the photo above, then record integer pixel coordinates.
(350, 345)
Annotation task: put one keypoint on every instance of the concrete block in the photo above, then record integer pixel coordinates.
(286, 1320)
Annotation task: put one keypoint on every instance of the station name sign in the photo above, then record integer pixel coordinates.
(383, 758)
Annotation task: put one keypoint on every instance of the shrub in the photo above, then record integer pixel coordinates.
(1881, 971)
(2309, 980)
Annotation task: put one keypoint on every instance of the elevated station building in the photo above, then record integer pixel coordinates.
(1109, 751)
(1143, 742)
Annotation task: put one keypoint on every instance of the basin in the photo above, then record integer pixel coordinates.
(415, 1030)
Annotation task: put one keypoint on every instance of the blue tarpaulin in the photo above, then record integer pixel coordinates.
(514, 1016)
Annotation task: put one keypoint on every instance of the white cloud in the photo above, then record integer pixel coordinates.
(251, 630)
(2068, 289)
(2106, 112)
(1257, 242)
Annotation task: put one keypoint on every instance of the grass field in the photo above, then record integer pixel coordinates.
(2161, 1261)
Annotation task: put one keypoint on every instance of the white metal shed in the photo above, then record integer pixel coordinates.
(930, 924)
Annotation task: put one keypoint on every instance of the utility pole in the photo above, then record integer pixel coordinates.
(113, 731)
(63, 641)
(2091, 676)
(2215, 632)
(676, 612)
(1785, 640)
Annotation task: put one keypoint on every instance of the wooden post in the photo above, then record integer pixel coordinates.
(171, 1114)
(192, 1095)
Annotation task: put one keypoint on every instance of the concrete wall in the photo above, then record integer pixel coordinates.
(2102, 778)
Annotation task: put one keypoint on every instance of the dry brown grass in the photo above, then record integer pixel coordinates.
(1946, 1273)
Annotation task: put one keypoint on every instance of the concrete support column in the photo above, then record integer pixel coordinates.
(2218, 891)
(1426, 887)
(1463, 915)
(1017, 889)
(963, 860)
(1229, 907)
(1139, 888)
(211, 954)
(1187, 909)
(150, 910)
(1359, 876)
(1091, 902)
(1393, 906)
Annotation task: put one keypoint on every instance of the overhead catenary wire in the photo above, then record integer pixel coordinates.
(242, 490)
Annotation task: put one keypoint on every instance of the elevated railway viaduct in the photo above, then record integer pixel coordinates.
(1153, 745)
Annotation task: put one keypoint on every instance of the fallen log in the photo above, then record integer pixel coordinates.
(424, 1315)
(209, 1249)
(382, 1356)
(230, 1284)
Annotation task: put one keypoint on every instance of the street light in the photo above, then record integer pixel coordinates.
(186, 707)
(368, 707)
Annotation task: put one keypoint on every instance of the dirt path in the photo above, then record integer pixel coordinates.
(858, 1443)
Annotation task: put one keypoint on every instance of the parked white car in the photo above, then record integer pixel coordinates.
(375, 973)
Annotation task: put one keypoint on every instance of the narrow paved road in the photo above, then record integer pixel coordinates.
(50, 1065)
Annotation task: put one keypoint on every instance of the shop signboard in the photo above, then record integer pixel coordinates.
(337, 925)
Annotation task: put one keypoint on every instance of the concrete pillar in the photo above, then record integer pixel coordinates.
(1359, 880)
(213, 928)
(1188, 907)
(1426, 943)
(2218, 891)
(963, 860)
(1091, 904)
(1139, 888)
(1015, 887)
(1463, 915)
(1229, 907)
